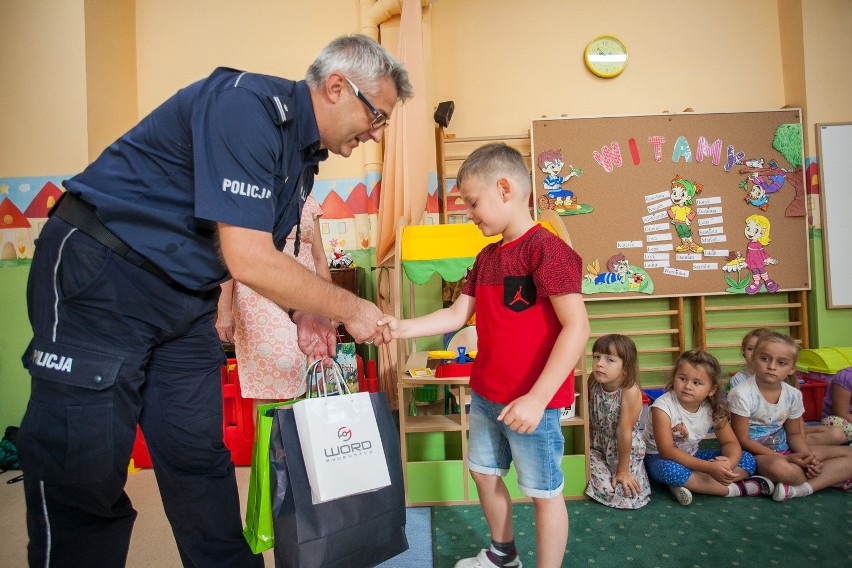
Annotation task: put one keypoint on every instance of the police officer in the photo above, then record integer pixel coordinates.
(123, 290)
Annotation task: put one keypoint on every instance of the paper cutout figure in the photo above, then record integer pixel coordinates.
(764, 182)
(560, 199)
(617, 270)
(751, 275)
(682, 193)
(756, 259)
(619, 277)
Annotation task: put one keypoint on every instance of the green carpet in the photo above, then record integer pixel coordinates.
(712, 532)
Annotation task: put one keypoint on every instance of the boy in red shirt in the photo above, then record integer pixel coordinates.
(532, 329)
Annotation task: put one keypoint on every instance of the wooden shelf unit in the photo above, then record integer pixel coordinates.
(435, 465)
(720, 322)
(658, 332)
(451, 152)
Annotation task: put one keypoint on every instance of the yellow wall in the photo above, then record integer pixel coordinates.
(828, 84)
(76, 63)
(180, 42)
(110, 31)
(827, 51)
(42, 88)
(503, 66)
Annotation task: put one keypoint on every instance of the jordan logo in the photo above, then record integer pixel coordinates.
(519, 297)
(519, 293)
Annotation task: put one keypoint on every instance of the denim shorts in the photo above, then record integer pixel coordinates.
(493, 446)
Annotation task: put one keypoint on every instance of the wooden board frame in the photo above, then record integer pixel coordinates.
(835, 148)
(624, 170)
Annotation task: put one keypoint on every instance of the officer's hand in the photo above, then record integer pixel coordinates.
(225, 325)
(317, 336)
(364, 325)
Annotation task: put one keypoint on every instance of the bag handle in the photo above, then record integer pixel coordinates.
(319, 375)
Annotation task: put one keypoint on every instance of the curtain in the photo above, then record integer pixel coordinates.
(408, 151)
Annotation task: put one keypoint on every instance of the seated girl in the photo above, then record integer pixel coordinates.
(680, 419)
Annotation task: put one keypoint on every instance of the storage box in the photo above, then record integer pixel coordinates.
(826, 361)
(140, 455)
(813, 394)
(237, 418)
(817, 367)
(653, 394)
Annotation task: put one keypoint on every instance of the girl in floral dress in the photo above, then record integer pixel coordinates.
(618, 478)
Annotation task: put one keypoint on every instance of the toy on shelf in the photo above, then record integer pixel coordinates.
(339, 258)
(454, 366)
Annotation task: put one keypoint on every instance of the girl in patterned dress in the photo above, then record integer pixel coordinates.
(618, 478)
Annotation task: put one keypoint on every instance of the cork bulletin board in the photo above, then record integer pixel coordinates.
(678, 204)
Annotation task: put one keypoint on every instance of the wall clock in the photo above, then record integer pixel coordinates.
(606, 56)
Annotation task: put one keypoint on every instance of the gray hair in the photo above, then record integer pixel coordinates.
(495, 160)
(363, 61)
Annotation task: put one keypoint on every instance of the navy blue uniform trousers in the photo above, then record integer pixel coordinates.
(115, 346)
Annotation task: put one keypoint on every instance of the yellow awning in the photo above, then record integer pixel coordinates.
(448, 250)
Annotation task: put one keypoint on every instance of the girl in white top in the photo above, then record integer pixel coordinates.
(680, 419)
(767, 420)
(815, 434)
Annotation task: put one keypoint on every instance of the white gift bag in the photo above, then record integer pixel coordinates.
(340, 441)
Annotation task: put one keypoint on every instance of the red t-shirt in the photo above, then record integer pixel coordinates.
(516, 324)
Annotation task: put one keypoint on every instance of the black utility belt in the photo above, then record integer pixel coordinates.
(80, 214)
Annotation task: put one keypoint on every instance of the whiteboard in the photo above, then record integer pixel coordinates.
(835, 164)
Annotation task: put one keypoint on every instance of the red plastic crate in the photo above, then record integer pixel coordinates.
(237, 419)
(813, 394)
(140, 455)
(237, 422)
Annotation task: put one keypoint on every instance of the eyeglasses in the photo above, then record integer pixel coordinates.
(379, 118)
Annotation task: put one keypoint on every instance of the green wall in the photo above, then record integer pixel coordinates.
(829, 328)
(15, 335)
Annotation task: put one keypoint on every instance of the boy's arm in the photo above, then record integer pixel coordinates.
(441, 321)
(523, 414)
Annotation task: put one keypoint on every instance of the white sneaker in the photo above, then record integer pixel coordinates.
(481, 560)
(683, 495)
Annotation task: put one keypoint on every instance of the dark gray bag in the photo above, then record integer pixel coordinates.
(357, 531)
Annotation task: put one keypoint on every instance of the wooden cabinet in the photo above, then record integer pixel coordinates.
(347, 278)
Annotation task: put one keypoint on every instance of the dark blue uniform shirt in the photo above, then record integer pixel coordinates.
(236, 148)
